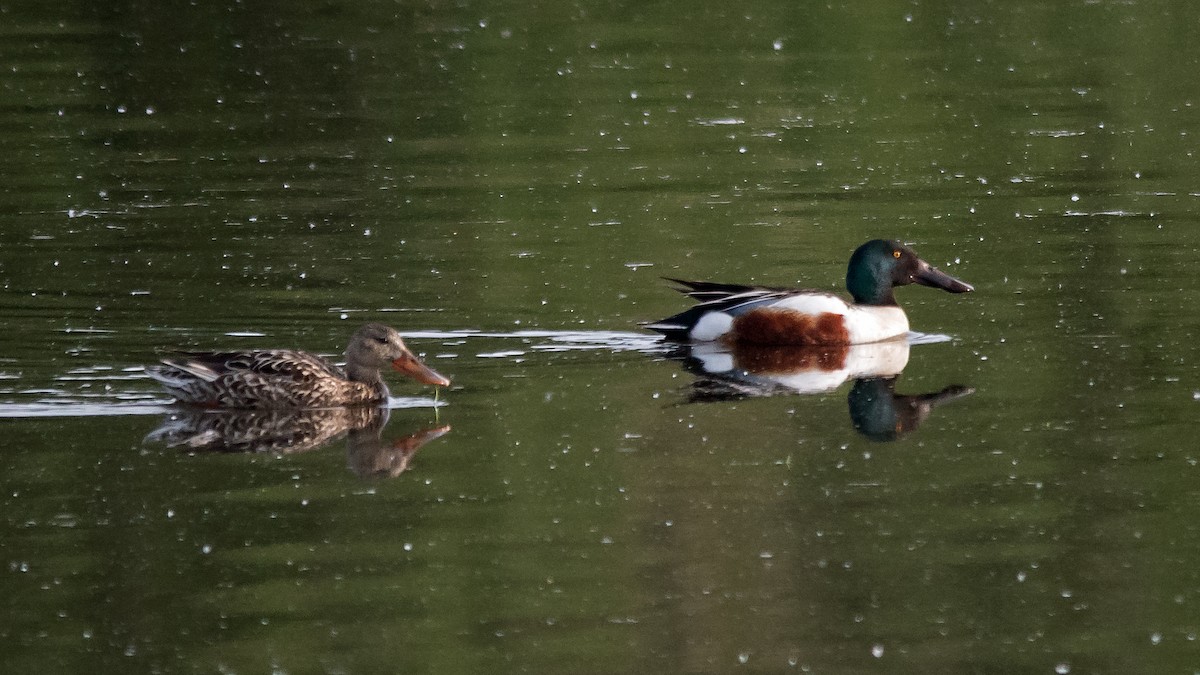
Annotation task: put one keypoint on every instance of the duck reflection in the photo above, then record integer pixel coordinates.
(880, 414)
(876, 411)
(296, 431)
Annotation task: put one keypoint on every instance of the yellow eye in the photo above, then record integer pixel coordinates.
(896, 253)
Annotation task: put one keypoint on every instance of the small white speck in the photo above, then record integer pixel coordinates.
(877, 651)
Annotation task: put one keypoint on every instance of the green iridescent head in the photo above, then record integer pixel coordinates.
(880, 265)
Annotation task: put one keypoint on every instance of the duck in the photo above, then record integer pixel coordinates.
(766, 315)
(284, 378)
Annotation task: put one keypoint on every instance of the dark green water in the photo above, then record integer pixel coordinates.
(506, 184)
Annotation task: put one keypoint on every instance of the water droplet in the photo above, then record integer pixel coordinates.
(877, 651)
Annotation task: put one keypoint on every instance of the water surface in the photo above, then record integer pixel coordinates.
(506, 185)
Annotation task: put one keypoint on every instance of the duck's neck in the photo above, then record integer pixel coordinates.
(877, 297)
(368, 376)
(885, 299)
(869, 285)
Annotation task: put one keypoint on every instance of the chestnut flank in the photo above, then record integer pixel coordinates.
(789, 327)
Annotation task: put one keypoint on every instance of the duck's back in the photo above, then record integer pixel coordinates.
(271, 378)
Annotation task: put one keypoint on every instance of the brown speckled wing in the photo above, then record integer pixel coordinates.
(300, 366)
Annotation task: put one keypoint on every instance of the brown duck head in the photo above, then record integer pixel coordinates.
(375, 346)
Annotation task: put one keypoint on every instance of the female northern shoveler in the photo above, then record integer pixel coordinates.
(783, 316)
(279, 378)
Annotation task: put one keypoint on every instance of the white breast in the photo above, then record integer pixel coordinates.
(872, 324)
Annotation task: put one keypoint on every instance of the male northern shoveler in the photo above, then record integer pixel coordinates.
(784, 316)
(280, 378)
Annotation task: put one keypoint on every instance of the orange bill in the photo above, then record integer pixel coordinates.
(411, 366)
